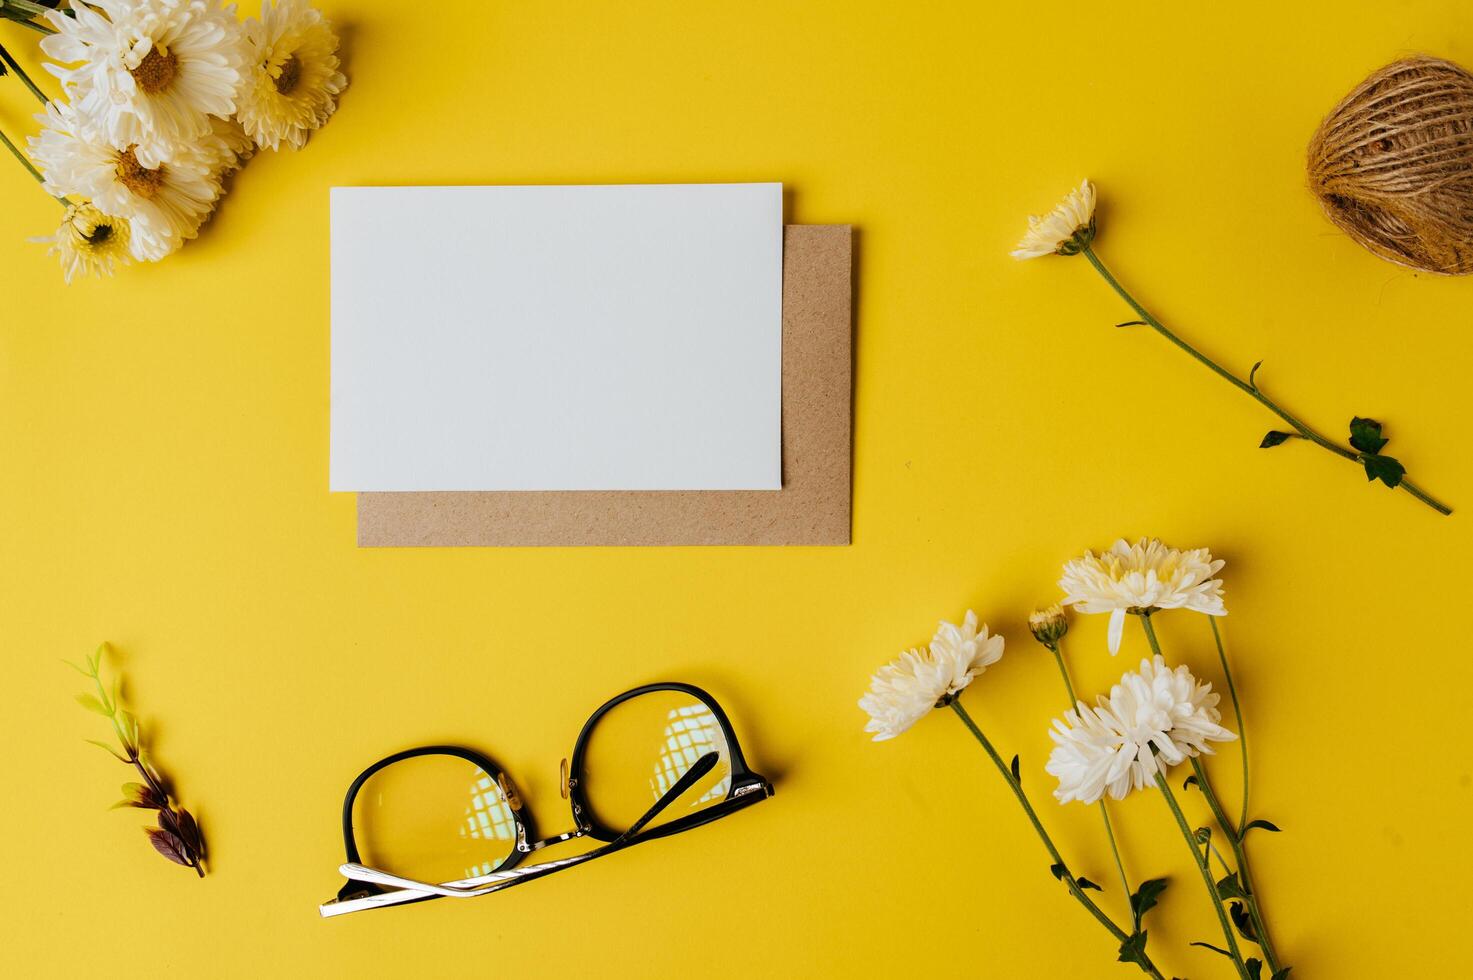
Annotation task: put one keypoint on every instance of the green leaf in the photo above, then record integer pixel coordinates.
(1275, 438)
(78, 669)
(92, 704)
(1215, 949)
(1253, 374)
(141, 796)
(106, 748)
(1383, 468)
(1058, 870)
(1017, 776)
(1238, 912)
(96, 659)
(1229, 887)
(1255, 967)
(129, 724)
(1365, 435)
(1084, 883)
(1145, 898)
(1133, 949)
(1261, 824)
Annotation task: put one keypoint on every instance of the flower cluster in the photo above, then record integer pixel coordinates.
(165, 99)
(1158, 716)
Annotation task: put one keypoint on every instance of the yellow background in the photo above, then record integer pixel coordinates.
(164, 441)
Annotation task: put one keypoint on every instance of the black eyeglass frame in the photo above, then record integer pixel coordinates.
(746, 787)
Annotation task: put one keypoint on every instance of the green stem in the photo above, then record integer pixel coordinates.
(25, 12)
(1145, 617)
(1248, 387)
(24, 162)
(1007, 774)
(1237, 714)
(1058, 653)
(19, 72)
(1240, 856)
(1200, 860)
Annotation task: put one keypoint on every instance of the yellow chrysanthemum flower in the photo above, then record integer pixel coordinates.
(293, 80)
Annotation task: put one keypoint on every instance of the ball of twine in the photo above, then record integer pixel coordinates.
(1392, 165)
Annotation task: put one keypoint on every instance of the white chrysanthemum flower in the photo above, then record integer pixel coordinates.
(292, 77)
(1145, 576)
(1065, 230)
(1153, 719)
(164, 205)
(904, 690)
(150, 73)
(226, 146)
(88, 242)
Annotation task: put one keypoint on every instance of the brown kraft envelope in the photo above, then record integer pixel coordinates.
(811, 508)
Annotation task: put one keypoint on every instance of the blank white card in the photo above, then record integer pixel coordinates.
(557, 338)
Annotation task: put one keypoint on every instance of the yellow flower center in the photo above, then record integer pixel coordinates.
(291, 74)
(155, 71)
(138, 178)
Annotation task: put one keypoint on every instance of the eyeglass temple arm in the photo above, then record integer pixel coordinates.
(360, 872)
(692, 775)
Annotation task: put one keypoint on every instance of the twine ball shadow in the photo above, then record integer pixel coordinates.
(1392, 165)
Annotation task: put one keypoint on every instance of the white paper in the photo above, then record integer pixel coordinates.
(557, 338)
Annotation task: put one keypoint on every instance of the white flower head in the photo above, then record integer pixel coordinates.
(89, 242)
(148, 74)
(1066, 230)
(903, 691)
(163, 205)
(1142, 577)
(1153, 719)
(226, 146)
(292, 76)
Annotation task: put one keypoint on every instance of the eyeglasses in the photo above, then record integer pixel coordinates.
(442, 821)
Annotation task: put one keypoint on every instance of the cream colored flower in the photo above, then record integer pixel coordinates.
(1153, 719)
(1065, 230)
(164, 205)
(293, 80)
(226, 146)
(148, 74)
(1145, 576)
(89, 242)
(903, 691)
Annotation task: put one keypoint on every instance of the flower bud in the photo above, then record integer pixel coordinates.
(1048, 625)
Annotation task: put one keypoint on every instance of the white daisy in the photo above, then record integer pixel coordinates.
(292, 77)
(149, 73)
(164, 205)
(1142, 577)
(1065, 230)
(904, 690)
(89, 242)
(1153, 719)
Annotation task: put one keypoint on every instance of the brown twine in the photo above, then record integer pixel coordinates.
(1392, 165)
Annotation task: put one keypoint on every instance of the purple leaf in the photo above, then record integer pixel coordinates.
(168, 844)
